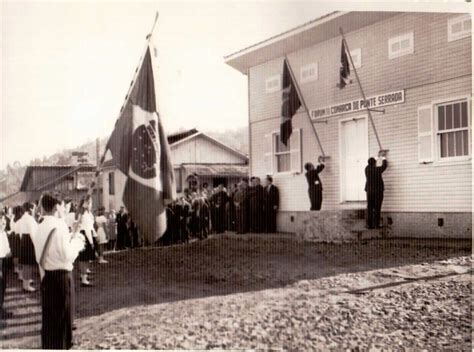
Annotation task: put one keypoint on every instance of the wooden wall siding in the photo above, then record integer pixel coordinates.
(437, 70)
(434, 59)
(410, 186)
(201, 150)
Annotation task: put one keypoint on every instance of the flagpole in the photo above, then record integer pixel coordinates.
(361, 89)
(305, 107)
(127, 97)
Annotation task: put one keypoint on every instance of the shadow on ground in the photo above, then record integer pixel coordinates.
(229, 264)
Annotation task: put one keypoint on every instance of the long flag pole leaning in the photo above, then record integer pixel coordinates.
(361, 90)
(127, 97)
(305, 107)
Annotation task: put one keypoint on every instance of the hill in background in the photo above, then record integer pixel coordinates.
(12, 176)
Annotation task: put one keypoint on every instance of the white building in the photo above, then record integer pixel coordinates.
(192, 152)
(416, 66)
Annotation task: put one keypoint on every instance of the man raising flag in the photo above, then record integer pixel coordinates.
(140, 150)
(290, 104)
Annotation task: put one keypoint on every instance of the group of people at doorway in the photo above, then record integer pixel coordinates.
(244, 207)
(374, 187)
(45, 240)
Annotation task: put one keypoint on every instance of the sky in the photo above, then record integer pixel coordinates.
(66, 66)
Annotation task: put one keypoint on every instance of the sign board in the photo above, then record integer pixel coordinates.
(84, 179)
(376, 101)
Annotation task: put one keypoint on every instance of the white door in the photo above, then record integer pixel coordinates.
(354, 155)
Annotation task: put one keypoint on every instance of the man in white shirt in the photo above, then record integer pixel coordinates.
(26, 228)
(55, 252)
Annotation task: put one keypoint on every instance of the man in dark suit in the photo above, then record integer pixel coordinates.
(315, 187)
(218, 201)
(241, 207)
(374, 187)
(122, 229)
(270, 204)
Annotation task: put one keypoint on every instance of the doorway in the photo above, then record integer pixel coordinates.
(354, 152)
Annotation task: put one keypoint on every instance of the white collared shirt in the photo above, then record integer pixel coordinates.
(4, 245)
(87, 225)
(62, 249)
(27, 225)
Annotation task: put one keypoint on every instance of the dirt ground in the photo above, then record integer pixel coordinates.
(229, 264)
(232, 263)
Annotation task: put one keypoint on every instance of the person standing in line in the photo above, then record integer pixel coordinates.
(15, 240)
(374, 187)
(259, 199)
(203, 218)
(55, 252)
(122, 229)
(101, 222)
(219, 200)
(66, 212)
(315, 187)
(241, 208)
(4, 253)
(112, 230)
(271, 204)
(252, 202)
(85, 221)
(27, 227)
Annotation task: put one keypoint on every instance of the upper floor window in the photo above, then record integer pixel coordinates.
(273, 84)
(459, 27)
(401, 45)
(309, 73)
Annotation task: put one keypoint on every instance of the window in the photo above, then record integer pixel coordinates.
(280, 158)
(356, 55)
(309, 73)
(273, 84)
(459, 27)
(282, 155)
(111, 183)
(452, 121)
(400, 45)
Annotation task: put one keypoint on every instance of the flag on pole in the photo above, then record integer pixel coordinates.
(290, 104)
(140, 150)
(345, 70)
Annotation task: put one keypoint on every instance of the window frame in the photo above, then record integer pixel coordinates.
(313, 78)
(275, 171)
(463, 34)
(277, 87)
(438, 160)
(275, 154)
(399, 38)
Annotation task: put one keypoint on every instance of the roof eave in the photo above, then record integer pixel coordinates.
(306, 35)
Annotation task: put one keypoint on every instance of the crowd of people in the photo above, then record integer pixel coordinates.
(244, 207)
(51, 236)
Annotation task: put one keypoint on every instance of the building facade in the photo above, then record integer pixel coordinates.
(192, 153)
(414, 66)
(70, 180)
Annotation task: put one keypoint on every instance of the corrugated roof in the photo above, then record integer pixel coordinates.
(68, 169)
(217, 169)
